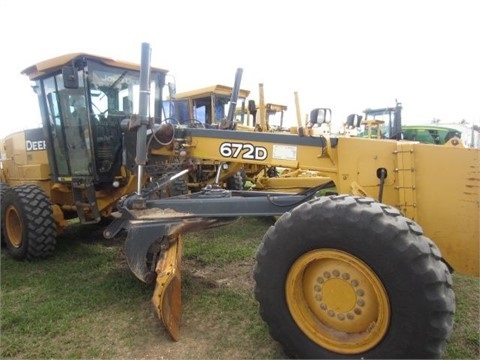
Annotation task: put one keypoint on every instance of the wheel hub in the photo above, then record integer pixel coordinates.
(339, 296)
(13, 227)
(337, 301)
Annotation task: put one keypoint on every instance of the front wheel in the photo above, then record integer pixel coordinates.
(27, 222)
(344, 276)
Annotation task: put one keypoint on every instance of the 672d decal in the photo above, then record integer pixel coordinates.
(243, 151)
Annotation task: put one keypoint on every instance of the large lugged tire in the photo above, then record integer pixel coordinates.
(344, 276)
(28, 223)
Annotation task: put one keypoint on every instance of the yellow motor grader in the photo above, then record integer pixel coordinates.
(361, 273)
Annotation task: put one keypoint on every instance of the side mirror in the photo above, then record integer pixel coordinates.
(354, 120)
(317, 116)
(320, 115)
(70, 77)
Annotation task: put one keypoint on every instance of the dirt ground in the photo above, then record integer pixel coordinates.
(200, 335)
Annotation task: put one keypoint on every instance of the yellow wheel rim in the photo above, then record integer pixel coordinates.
(13, 227)
(337, 301)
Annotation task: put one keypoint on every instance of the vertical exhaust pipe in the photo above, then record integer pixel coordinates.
(141, 154)
(234, 99)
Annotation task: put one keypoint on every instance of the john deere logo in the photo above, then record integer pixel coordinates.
(36, 145)
(35, 140)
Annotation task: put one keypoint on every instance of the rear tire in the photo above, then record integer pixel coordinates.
(344, 276)
(28, 223)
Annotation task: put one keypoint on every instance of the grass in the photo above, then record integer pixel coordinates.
(56, 308)
(85, 303)
(221, 246)
(465, 340)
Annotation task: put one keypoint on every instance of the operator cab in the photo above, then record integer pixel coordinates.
(83, 100)
(205, 107)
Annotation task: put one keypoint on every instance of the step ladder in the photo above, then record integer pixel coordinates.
(85, 200)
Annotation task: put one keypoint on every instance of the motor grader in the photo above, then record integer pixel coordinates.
(362, 273)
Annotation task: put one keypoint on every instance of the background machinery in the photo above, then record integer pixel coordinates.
(433, 134)
(364, 272)
(387, 123)
(208, 107)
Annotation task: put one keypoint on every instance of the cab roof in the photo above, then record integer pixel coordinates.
(54, 64)
(207, 91)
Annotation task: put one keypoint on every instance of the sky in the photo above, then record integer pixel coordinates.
(346, 55)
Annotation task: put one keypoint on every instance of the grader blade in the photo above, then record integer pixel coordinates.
(167, 296)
